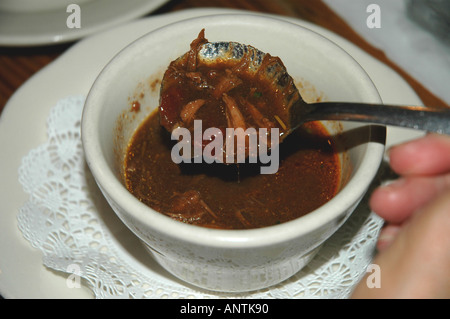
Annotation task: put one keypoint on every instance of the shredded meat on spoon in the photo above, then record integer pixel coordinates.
(227, 85)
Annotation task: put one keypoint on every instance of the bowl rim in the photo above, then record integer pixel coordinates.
(109, 183)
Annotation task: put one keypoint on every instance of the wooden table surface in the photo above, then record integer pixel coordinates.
(18, 64)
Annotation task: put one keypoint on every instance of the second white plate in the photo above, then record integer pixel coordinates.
(21, 28)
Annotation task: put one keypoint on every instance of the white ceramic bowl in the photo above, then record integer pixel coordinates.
(228, 260)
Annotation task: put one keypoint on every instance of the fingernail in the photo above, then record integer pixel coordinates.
(394, 184)
(387, 237)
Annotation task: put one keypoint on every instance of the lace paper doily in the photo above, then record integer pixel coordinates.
(62, 218)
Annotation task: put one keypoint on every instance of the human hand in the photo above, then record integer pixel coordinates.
(414, 245)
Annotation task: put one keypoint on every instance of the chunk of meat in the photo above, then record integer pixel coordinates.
(260, 120)
(188, 207)
(188, 111)
(234, 115)
(192, 54)
(227, 82)
(199, 81)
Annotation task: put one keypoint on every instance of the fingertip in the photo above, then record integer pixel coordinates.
(425, 156)
(388, 202)
(402, 158)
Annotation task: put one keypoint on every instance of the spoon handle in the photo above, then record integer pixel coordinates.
(416, 117)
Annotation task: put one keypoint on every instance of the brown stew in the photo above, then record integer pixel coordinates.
(233, 196)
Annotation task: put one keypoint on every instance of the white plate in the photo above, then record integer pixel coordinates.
(22, 128)
(39, 27)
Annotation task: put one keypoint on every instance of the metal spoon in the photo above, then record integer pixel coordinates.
(252, 61)
(414, 117)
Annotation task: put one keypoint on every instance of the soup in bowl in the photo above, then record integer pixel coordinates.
(226, 226)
